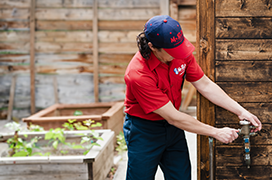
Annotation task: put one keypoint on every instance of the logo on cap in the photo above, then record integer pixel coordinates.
(178, 39)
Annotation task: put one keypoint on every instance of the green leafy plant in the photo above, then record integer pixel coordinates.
(69, 125)
(18, 146)
(55, 137)
(78, 113)
(87, 137)
(35, 128)
(121, 143)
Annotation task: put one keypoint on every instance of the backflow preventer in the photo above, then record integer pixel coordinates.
(246, 132)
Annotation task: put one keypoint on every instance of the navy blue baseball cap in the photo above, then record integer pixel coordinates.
(165, 32)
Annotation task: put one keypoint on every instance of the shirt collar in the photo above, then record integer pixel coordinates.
(153, 62)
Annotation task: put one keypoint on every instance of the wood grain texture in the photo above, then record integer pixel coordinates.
(15, 13)
(234, 8)
(244, 28)
(101, 3)
(242, 172)
(205, 56)
(15, 4)
(262, 110)
(249, 49)
(243, 71)
(87, 25)
(255, 92)
(14, 25)
(103, 14)
(233, 155)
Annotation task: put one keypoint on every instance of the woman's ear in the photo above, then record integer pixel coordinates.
(151, 46)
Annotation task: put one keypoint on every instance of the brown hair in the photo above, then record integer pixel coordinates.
(142, 43)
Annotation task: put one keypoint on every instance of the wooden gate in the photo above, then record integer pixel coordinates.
(234, 49)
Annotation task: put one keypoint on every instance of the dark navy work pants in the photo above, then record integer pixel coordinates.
(153, 143)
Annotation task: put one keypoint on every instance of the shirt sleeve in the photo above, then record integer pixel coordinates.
(193, 71)
(146, 92)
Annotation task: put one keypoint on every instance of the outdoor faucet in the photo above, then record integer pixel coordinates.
(245, 131)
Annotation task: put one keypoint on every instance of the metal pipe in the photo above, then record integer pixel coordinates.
(245, 131)
(211, 156)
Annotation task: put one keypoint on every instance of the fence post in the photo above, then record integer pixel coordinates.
(32, 55)
(164, 7)
(95, 51)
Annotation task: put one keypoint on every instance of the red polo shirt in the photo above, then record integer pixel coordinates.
(151, 84)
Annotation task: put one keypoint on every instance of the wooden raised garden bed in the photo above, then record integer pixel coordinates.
(110, 115)
(95, 165)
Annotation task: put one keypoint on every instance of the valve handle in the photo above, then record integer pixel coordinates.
(244, 122)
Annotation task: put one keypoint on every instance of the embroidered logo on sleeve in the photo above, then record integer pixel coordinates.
(180, 70)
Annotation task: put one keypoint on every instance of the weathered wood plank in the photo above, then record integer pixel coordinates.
(113, 69)
(234, 8)
(111, 79)
(115, 58)
(64, 36)
(65, 59)
(79, 59)
(58, 47)
(15, 47)
(48, 69)
(248, 91)
(75, 176)
(70, 36)
(205, 55)
(173, 9)
(233, 155)
(64, 25)
(188, 25)
(6, 69)
(81, 47)
(14, 14)
(14, 36)
(30, 169)
(14, 25)
(22, 93)
(118, 48)
(117, 36)
(112, 92)
(95, 51)
(243, 71)
(87, 25)
(185, 2)
(32, 54)
(262, 110)
(244, 28)
(251, 49)
(101, 3)
(103, 14)
(65, 69)
(64, 14)
(86, 36)
(15, 4)
(242, 172)
(187, 13)
(11, 59)
(127, 14)
(121, 24)
(72, 89)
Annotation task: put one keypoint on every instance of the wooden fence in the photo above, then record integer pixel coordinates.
(236, 54)
(73, 51)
